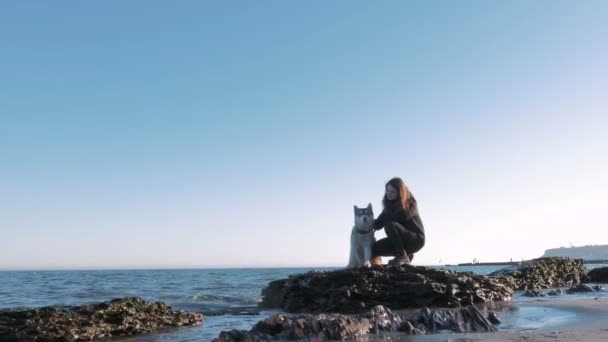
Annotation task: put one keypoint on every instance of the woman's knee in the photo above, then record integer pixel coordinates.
(414, 245)
(381, 247)
(377, 250)
(392, 228)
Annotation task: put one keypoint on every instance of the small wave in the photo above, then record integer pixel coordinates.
(234, 311)
(219, 310)
(241, 300)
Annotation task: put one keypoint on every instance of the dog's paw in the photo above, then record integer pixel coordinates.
(367, 264)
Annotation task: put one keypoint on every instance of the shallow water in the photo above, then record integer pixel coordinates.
(227, 297)
(517, 317)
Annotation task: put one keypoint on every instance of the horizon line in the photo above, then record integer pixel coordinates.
(144, 268)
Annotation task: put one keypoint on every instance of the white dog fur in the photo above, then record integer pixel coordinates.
(362, 238)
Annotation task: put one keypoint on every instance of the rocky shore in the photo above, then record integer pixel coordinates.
(346, 303)
(119, 317)
(340, 304)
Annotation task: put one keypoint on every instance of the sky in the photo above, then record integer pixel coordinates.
(149, 134)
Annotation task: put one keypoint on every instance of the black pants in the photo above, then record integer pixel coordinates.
(399, 241)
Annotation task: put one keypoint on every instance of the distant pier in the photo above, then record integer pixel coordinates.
(498, 263)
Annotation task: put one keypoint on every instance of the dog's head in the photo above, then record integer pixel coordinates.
(364, 216)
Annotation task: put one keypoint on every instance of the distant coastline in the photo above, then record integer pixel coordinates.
(591, 254)
(511, 263)
(587, 253)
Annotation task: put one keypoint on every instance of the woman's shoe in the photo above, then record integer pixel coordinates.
(400, 260)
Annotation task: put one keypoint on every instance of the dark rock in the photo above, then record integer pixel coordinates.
(397, 287)
(467, 319)
(556, 292)
(599, 288)
(598, 275)
(544, 273)
(119, 317)
(322, 327)
(580, 288)
(534, 293)
(493, 318)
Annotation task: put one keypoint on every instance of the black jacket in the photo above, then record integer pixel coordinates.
(408, 218)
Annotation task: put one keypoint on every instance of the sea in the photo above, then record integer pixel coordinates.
(227, 298)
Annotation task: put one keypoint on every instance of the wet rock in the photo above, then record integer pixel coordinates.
(397, 287)
(544, 273)
(493, 318)
(323, 327)
(119, 317)
(580, 288)
(467, 319)
(534, 293)
(598, 275)
(556, 292)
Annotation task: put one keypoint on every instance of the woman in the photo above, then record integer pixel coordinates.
(401, 222)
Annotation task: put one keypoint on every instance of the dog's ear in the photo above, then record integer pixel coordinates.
(355, 207)
(369, 206)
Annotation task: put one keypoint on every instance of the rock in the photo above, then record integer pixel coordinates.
(397, 287)
(323, 327)
(598, 275)
(119, 317)
(467, 319)
(556, 292)
(534, 293)
(585, 288)
(544, 273)
(493, 318)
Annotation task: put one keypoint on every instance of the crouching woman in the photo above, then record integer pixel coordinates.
(401, 222)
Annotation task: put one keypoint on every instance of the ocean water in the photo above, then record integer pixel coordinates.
(227, 297)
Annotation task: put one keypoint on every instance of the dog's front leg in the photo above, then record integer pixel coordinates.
(367, 256)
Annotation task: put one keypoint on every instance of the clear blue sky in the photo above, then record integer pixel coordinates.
(239, 133)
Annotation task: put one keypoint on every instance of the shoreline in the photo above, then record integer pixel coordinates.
(586, 321)
(580, 319)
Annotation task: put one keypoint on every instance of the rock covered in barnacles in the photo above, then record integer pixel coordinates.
(544, 273)
(119, 317)
(397, 287)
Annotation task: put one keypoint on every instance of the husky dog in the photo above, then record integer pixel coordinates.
(362, 239)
